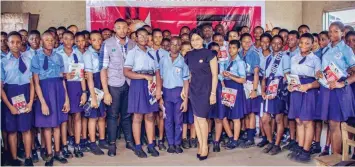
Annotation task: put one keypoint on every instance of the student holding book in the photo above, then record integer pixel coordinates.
(234, 76)
(142, 67)
(337, 102)
(53, 105)
(273, 82)
(303, 98)
(251, 58)
(17, 94)
(74, 73)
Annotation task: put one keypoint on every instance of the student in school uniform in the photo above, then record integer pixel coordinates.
(73, 28)
(323, 43)
(244, 29)
(284, 34)
(175, 75)
(303, 100)
(115, 86)
(275, 31)
(150, 40)
(4, 47)
(277, 68)
(232, 35)
(257, 32)
(166, 34)
(338, 97)
(265, 57)
(207, 35)
(166, 44)
(76, 92)
(184, 30)
(233, 77)
(133, 36)
(188, 117)
(34, 39)
(16, 80)
(316, 46)
(292, 41)
(97, 112)
(185, 38)
(106, 33)
(347, 29)
(303, 29)
(350, 40)
(252, 61)
(53, 104)
(219, 29)
(204, 69)
(87, 38)
(160, 53)
(24, 36)
(141, 66)
(60, 31)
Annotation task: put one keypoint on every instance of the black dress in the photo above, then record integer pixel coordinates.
(198, 61)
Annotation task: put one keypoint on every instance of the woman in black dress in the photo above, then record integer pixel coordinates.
(202, 93)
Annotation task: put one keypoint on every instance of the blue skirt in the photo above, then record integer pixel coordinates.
(3, 119)
(303, 105)
(253, 105)
(276, 105)
(188, 116)
(74, 93)
(22, 122)
(337, 104)
(54, 95)
(236, 112)
(138, 98)
(97, 112)
(219, 110)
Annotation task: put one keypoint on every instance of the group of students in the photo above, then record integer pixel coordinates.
(190, 72)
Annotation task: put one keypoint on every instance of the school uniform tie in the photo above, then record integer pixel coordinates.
(302, 60)
(45, 63)
(230, 66)
(158, 57)
(268, 61)
(22, 66)
(76, 58)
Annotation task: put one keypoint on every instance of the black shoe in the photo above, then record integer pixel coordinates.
(49, 161)
(66, 152)
(103, 144)
(275, 150)
(234, 144)
(153, 152)
(16, 162)
(130, 145)
(96, 149)
(193, 143)
(35, 158)
(21, 151)
(185, 144)
(268, 148)
(28, 162)
(289, 145)
(140, 153)
(60, 158)
(112, 150)
(161, 145)
(316, 149)
(248, 143)
(294, 154)
(303, 157)
(43, 154)
(171, 149)
(262, 143)
(210, 138)
(85, 146)
(216, 147)
(178, 149)
(71, 141)
(77, 152)
(203, 157)
(198, 156)
(37, 144)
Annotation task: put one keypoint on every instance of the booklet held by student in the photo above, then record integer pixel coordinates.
(19, 102)
(99, 96)
(223, 56)
(331, 73)
(229, 96)
(271, 90)
(78, 69)
(152, 88)
(248, 88)
(293, 81)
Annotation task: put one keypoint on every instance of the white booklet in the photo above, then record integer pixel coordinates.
(78, 69)
(99, 96)
(272, 88)
(294, 81)
(330, 73)
(19, 102)
(152, 88)
(248, 88)
(223, 55)
(229, 96)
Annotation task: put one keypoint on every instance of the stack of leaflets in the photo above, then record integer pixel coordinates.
(78, 69)
(271, 90)
(248, 88)
(294, 82)
(19, 102)
(229, 96)
(331, 73)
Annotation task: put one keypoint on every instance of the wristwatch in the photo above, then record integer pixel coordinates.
(87, 92)
(256, 90)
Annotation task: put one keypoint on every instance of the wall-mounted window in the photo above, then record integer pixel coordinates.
(345, 16)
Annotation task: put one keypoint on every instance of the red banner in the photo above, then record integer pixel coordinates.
(173, 18)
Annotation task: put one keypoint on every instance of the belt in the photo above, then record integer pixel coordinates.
(145, 72)
(304, 76)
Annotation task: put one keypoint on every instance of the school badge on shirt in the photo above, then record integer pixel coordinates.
(201, 61)
(113, 50)
(338, 55)
(178, 70)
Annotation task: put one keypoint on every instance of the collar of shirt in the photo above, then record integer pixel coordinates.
(118, 40)
(177, 58)
(139, 49)
(339, 45)
(91, 49)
